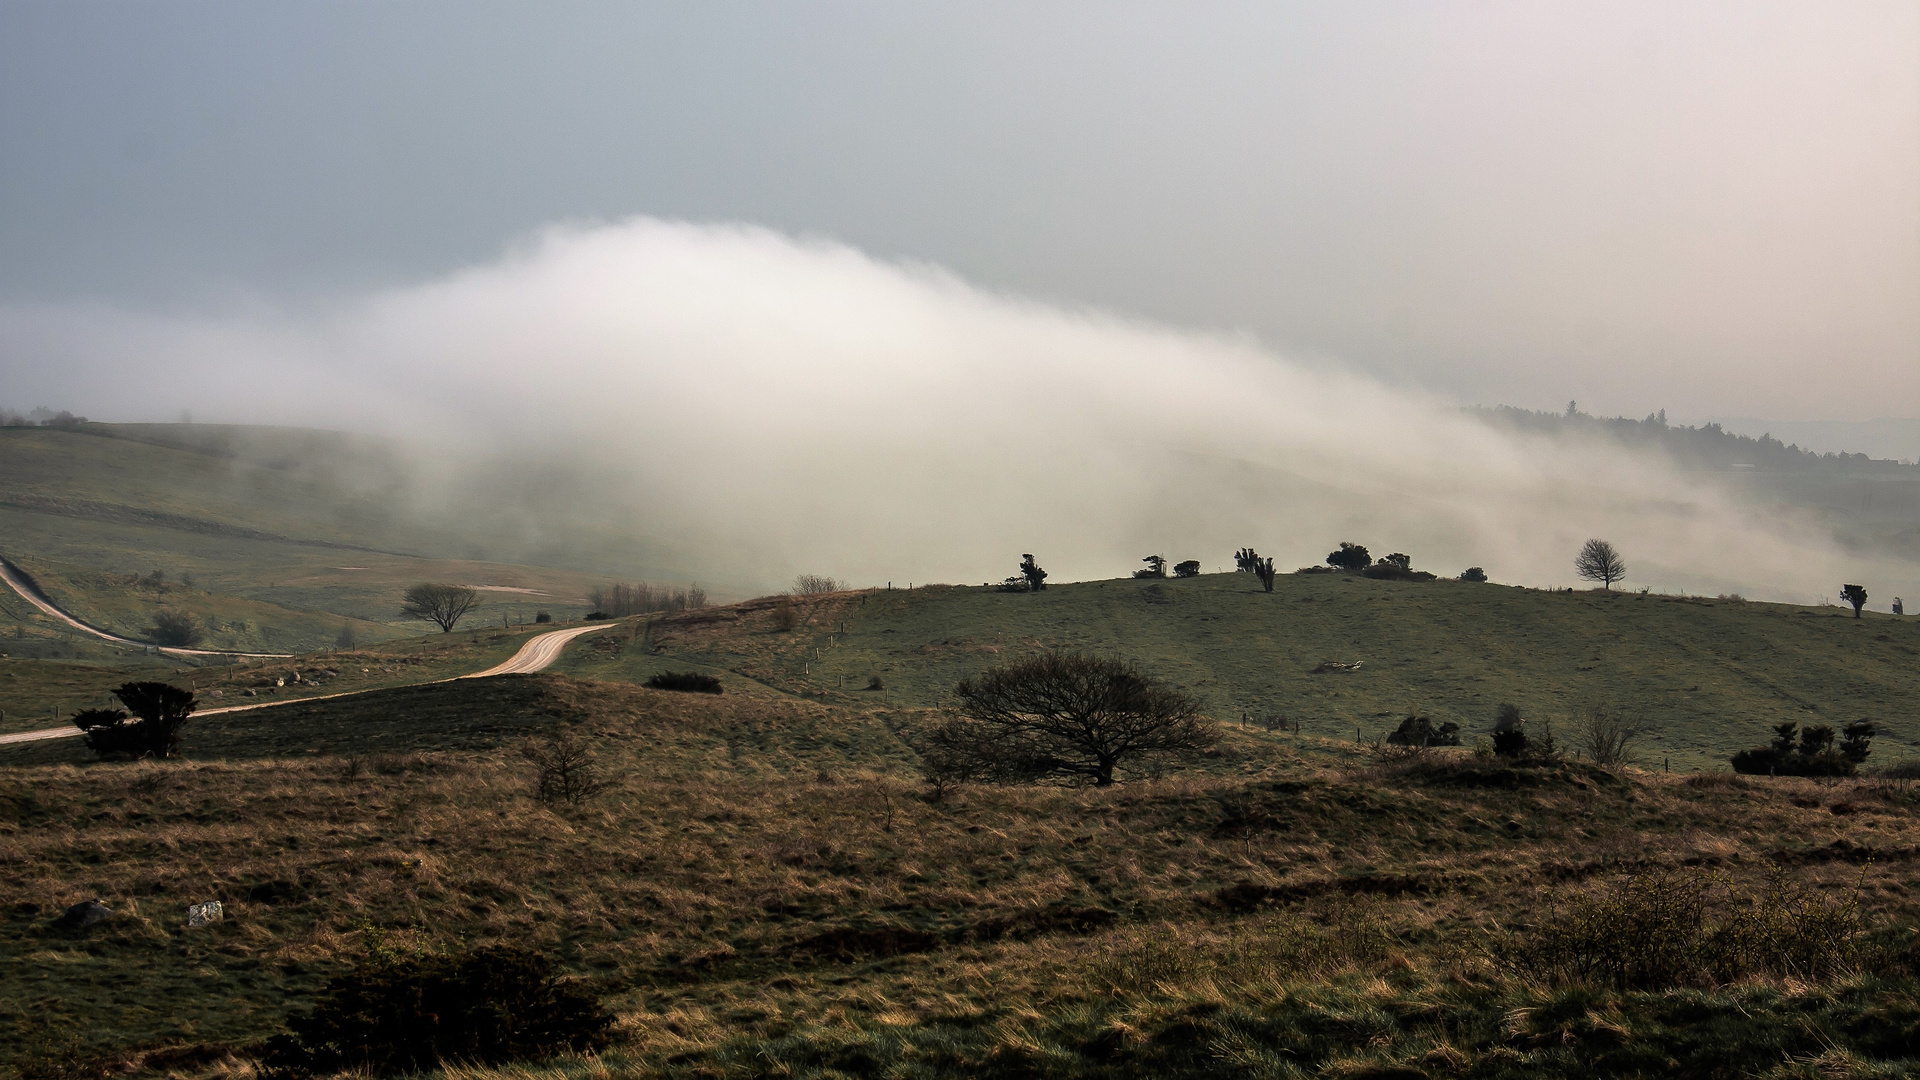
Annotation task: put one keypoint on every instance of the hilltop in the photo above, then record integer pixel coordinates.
(1708, 676)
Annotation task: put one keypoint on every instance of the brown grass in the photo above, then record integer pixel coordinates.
(760, 864)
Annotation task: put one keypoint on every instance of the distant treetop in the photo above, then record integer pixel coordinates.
(1706, 446)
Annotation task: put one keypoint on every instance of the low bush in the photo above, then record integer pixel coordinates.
(1809, 751)
(542, 617)
(1662, 929)
(1421, 731)
(689, 682)
(175, 629)
(412, 1012)
(1473, 573)
(161, 710)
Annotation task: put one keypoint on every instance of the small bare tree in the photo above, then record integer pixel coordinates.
(1606, 738)
(1064, 717)
(814, 584)
(564, 769)
(439, 604)
(1598, 561)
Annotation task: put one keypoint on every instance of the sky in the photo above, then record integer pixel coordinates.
(1712, 208)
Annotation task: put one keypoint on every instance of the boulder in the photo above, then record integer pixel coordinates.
(199, 915)
(83, 914)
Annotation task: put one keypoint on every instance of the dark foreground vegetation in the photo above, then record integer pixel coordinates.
(764, 886)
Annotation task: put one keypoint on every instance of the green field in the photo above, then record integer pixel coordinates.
(1706, 677)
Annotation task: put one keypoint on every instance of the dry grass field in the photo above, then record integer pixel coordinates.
(768, 890)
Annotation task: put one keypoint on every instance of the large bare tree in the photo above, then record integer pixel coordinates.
(1598, 561)
(439, 604)
(1062, 717)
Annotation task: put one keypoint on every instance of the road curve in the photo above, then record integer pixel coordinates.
(536, 654)
(32, 595)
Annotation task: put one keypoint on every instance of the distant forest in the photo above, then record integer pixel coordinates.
(1708, 446)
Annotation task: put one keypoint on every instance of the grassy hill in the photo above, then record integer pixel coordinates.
(1706, 676)
(766, 890)
(277, 537)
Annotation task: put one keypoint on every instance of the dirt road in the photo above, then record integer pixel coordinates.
(536, 654)
(32, 595)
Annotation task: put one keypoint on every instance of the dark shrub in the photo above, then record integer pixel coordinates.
(175, 629)
(1354, 557)
(1808, 752)
(1509, 731)
(1420, 731)
(542, 617)
(1190, 568)
(1156, 567)
(1030, 570)
(411, 1013)
(1392, 569)
(691, 682)
(595, 616)
(162, 710)
(1473, 573)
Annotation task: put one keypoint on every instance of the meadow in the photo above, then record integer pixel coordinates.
(767, 890)
(1705, 677)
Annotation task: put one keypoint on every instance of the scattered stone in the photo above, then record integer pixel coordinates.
(199, 915)
(83, 914)
(1334, 665)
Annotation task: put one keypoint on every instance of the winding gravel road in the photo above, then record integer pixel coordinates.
(535, 654)
(32, 595)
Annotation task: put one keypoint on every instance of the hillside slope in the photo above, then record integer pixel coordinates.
(1707, 676)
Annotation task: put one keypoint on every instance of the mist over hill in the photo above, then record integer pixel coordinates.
(730, 404)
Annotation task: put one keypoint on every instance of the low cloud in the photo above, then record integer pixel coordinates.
(737, 405)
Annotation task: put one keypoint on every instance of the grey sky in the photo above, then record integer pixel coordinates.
(1712, 208)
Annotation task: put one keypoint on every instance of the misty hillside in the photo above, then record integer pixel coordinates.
(1870, 504)
(273, 535)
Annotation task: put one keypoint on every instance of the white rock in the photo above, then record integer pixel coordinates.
(199, 915)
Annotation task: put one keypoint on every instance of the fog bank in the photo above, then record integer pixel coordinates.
(738, 405)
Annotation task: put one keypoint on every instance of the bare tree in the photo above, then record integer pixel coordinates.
(1606, 737)
(814, 584)
(439, 604)
(564, 769)
(1598, 561)
(1855, 595)
(1063, 717)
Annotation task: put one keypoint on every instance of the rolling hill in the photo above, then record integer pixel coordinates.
(1706, 677)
